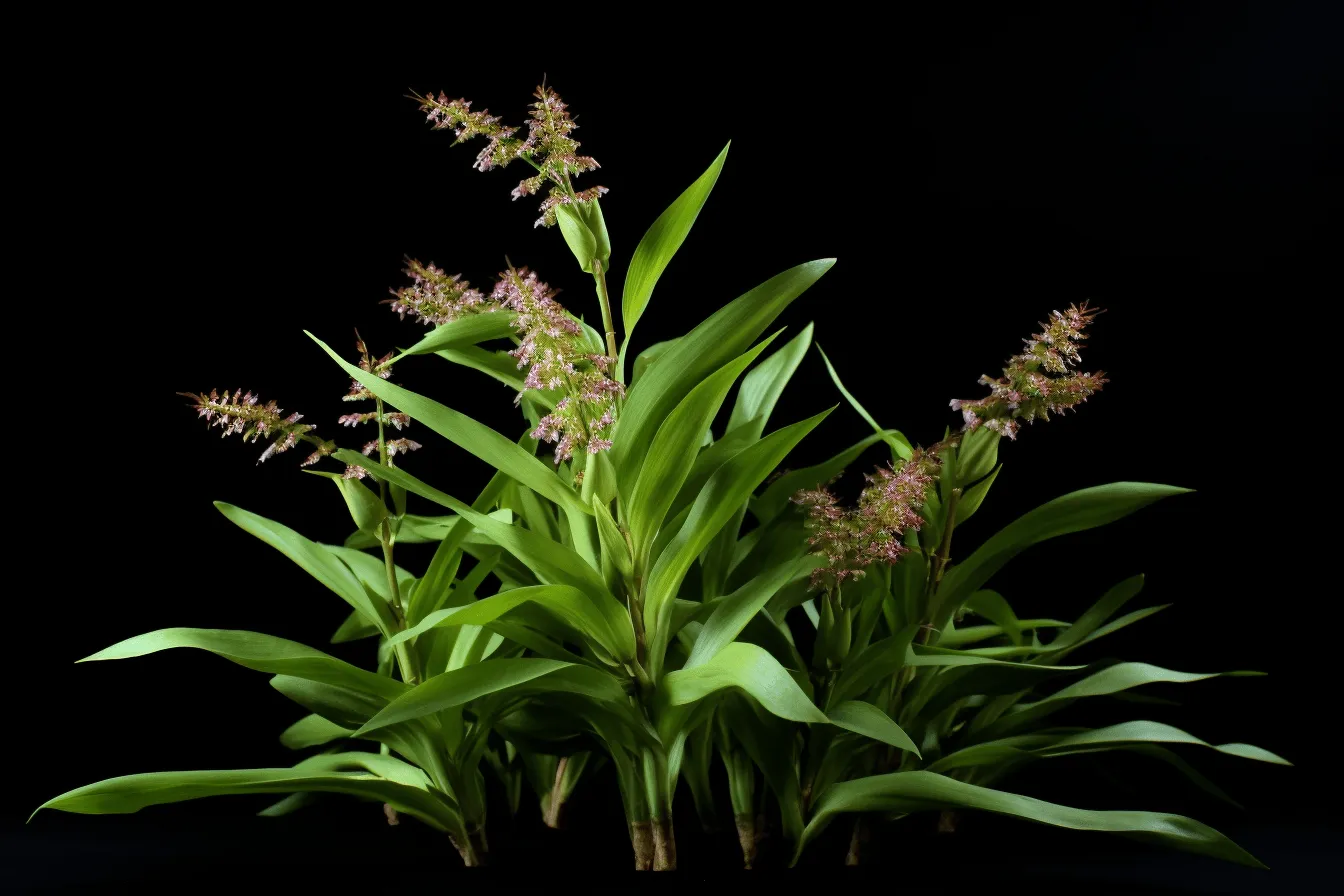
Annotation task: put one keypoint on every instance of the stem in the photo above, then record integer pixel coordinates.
(601, 277)
(402, 651)
(856, 841)
(641, 837)
(552, 818)
(746, 838)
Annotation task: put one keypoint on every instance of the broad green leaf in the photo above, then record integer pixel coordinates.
(717, 340)
(750, 668)
(131, 793)
(476, 438)
(585, 232)
(710, 459)
(312, 731)
(614, 549)
(921, 790)
(866, 719)
(647, 357)
(315, 560)
(465, 331)
(1074, 512)
(977, 454)
(661, 242)
(900, 447)
(342, 706)
(461, 686)
(719, 500)
(366, 509)
(371, 570)
(732, 613)
(776, 497)
(673, 453)
(992, 606)
(761, 388)
(260, 652)
(1156, 732)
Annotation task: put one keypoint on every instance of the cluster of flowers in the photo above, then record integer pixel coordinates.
(383, 369)
(435, 297)
(548, 146)
(852, 539)
(552, 349)
(1039, 380)
(243, 413)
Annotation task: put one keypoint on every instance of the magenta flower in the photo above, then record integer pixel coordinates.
(435, 297)
(242, 413)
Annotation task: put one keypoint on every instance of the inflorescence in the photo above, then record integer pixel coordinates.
(243, 413)
(852, 539)
(1038, 381)
(548, 146)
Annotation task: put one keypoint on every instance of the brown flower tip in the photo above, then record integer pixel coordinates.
(1040, 380)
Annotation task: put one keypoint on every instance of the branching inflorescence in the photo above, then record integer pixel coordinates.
(242, 413)
(1038, 381)
(548, 146)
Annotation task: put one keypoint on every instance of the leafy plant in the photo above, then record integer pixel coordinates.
(631, 600)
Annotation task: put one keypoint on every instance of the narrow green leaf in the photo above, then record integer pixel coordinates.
(1156, 732)
(719, 500)
(316, 561)
(717, 340)
(761, 388)
(661, 242)
(920, 790)
(255, 651)
(312, 731)
(473, 437)
(900, 448)
(776, 497)
(732, 613)
(464, 331)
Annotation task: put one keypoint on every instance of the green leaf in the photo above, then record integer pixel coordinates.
(761, 388)
(661, 242)
(868, 720)
(614, 548)
(255, 651)
(1155, 732)
(516, 675)
(717, 340)
(1097, 614)
(343, 706)
(131, 793)
(647, 357)
(585, 232)
(733, 612)
(921, 790)
(570, 604)
(366, 508)
(498, 365)
(355, 627)
(552, 562)
(312, 731)
(464, 331)
(476, 438)
(776, 497)
(900, 447)
(719, 500)
(1074, 512)
(750, 668)
(673, 453)
(974, 496)
(315, 560)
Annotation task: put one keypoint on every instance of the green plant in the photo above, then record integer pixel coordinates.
(616, 605)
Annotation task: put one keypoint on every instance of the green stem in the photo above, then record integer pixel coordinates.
(601, 277)
(385, 538)
(557, 800)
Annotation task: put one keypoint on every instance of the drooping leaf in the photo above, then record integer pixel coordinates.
(312, 731)
(263, 653)
(921, 790)
(866, 719)
(1155, 732)
(750, 668)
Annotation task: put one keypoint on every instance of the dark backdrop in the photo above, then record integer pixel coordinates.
(970, 173)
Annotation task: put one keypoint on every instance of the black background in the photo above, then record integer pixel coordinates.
(970, 173)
